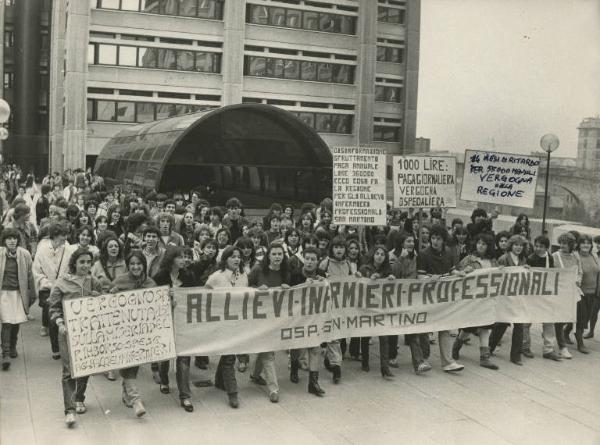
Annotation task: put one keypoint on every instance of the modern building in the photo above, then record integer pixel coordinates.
(422, 145)
(347, 68)
(588, 145)
(24, 62)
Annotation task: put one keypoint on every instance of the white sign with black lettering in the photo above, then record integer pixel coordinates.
(359, 186)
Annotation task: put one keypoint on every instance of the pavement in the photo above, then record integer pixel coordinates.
(542, 402)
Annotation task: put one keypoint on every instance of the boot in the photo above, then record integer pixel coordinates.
(580, 346)
(5, 343)
(14, 336)
(5, 361)
(456, 347)
(294, 366)
(337, 373)
(313, 384)
(484, 358)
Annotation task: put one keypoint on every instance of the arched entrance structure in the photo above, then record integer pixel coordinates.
(256, 152)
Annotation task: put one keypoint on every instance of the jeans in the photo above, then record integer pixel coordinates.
(182, 375)
(414, 341)
(265, 363)
(584, 311)
(549, 337)
(517, 339)
(9, 336)
(225, 375)
(131, 393)
(559, 331)
(314, 354)
(445, 344)
(73, 388)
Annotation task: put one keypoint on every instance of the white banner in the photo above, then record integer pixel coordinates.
(359, 186)
(500, 178)
(424, 181)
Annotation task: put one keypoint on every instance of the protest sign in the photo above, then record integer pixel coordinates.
(500, 178)
(119, 330)
(359, 186)
(424, 181)
(245, 320)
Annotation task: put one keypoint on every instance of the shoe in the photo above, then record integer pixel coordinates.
(423, 367)
(258, 380)
(80, 408)
(164, 389)
(139, 408)
(394, 363)
(365, 367)
(5, 363)
(517, 362)
(589, 335)
(43, 332)
(202, 383)
(233, 400)
(456, 348)
(527, 353)
(13, 353)
(337, 373)
(274, 397)
(580, 346)
(453, 367)
(56, 356)
(387, 374)
(294, 365)
(242, 366)
(484, 358)
(70, 419)
(552, 356)
(313, 384)
(187, 405)
(564, 353)
(111, 375)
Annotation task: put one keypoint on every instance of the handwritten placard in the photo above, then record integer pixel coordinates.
(500, 178)
(119, 330)
(424, 181)
(359, 186)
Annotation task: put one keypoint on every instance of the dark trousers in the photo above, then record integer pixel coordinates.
(383, 351)
(356, 345)
(517, 339)
(416, 343)
(392, 346)
(584, 310)
(594, 309)
(73, 388)
(225, 375)
(182, 375)
(9, 336)
(52, 328)
(559, 330)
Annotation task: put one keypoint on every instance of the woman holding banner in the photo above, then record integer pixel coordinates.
(590, 268)
(77, 283)
(135, 277)
(230, 274)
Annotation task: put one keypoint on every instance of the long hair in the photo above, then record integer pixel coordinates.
(489, 242)
(89, 229)
(169, 258)
(400, 243)
(384, 268)
(246, 243)
(78, 253)
(285, 265)
(228, 253)
(137, 253)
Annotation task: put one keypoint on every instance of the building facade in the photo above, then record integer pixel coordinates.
(348, 68)
(588, 144)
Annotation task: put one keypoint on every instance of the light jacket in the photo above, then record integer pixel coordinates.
(47, 262)
(226, 278)
(25, 276)
(106, 275)
(125, 281)
(67, 287)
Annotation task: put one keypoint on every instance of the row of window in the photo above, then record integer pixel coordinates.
(390, 15)
(390, 54)
(161, 58)
(298, 70)
(135, 112)
(585, 144)
(388, 94)
(386, 134)
(327, 123)
(205, 9)
(299, 19)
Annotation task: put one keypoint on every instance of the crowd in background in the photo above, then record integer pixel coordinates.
(69, 236)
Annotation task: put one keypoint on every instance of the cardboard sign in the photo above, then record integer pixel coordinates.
(359, 186)
(500, 178)
(424, 181)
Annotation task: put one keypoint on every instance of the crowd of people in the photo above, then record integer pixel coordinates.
(74, 238)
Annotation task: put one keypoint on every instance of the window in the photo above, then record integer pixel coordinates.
(390, 15)
(386, 133)
(150, 6)
(324, 73)
(309, 71)
(308, 119)
(169, 7)
(185, 60)
(126, 111)
(147, 57)
(105, 110)
(107, 54)
(311, 20)
(208, 9)
(293, 18)
(277, 16)
(343, 74)
(389, 54)
(290, 69)
(256, 66)
(130, 5)
(127, 56)
(208, 62)
(188, 8)
(167, 59)
(9, 80)
(258, 15)
(388, 94)
(323, 123)
(91, 56)
(109, 4)
(274, 68)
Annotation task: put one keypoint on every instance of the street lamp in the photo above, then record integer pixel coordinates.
(549, 142)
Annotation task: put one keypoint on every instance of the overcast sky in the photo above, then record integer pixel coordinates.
(507, 72)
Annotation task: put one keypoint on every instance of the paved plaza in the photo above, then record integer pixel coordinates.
(543, 402)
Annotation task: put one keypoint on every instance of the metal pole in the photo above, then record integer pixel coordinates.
(546, 193)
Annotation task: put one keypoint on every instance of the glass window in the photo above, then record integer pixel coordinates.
(205, 62)
(381, 14)
(342, 123)
(185, 60)
(311, 20)
(126, 111)
(293, 18)
(393, 94)
(105, 110)
(323, 123)
(381, 53)
(307, 118)
(343, 74)
(309, 71)
(210, 9)
(395, 55)
(107, 54)
(327, 23)
(274, 68)
(379, 93)
(188, 8)
(150, 6)
(347, 25)
(259, 15)
(90, 110)
(91, 55)
(291, 69)
(277, 16)
(127, 56)
(109, 4)
(394, 15)
(256, 66)
(147, 57)
(130, 5)
(144, 112)
(165, 110)
(169, 7)
(167, 59)
(325, 72)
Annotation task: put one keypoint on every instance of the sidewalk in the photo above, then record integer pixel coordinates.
(542, 402)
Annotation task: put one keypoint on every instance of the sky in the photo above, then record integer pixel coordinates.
(502, 73)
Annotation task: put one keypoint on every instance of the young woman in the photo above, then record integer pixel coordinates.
(246, 247)
(77, 283)
(207, 262)
(17, 293)
(377, 267)
(273, 271)
(84, 238)
(515, 256)
(188, 229)
(306, 224)
(590, 276)
(230, 274)
(101, 226)
(292, 243)
(115, 221)
(458, 244)
(110, 263)
(481, 258)
(172, 273)
(202, 234)
(258, 239)
(223, 239)
(134, 277)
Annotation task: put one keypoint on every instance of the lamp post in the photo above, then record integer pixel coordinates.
(549, 142)
(4, 115)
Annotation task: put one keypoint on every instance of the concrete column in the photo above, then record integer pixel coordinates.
(75, 86)
(365, 71)
(411, 77)
(234, 18)
(2, 6)
(27, 82)
(55, 104)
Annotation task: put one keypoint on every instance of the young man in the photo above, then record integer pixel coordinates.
(152, 250)
(432, 263)
(168, 237)
(233, 220)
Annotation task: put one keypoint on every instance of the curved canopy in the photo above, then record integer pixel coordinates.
(248, 149)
